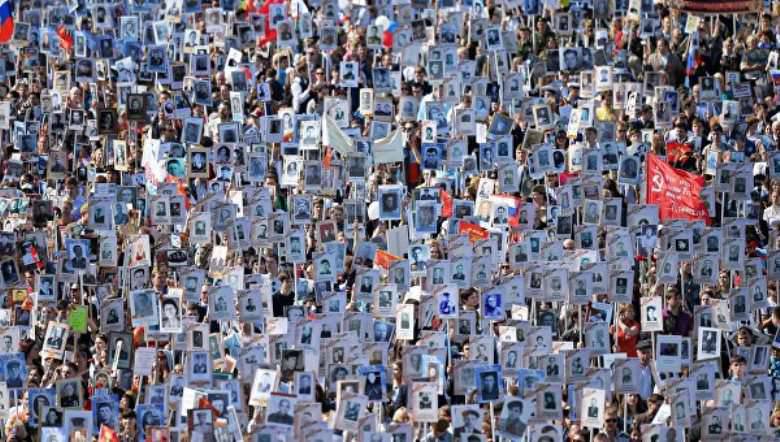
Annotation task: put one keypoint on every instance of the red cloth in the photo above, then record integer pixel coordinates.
(384, 259)
(514, 213)
(413, 174)
(270, 33)
(107, 434)
(36, 258)
(66, 39)
(565, 176)
(328, 157)
(446, 204)
(618, 41)
(627, 344)
(475, 232)
(675, 150)
(676, 192)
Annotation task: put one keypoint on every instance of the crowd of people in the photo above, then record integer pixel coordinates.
(448, 221)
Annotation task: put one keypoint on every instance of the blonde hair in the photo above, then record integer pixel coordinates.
(401, 415)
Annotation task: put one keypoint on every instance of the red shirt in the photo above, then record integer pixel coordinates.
(627, 344)
(413, 173)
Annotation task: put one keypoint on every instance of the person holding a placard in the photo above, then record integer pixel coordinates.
(676, 321)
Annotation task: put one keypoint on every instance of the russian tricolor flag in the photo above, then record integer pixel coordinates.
(6, 21)
(693, 59)
(387, 35)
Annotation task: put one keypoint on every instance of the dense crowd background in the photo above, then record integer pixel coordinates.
(390, 221)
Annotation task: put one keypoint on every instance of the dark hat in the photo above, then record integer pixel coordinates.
(552, 89)
(644, 345)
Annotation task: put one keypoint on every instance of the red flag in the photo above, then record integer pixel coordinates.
(701, 7)
(66, 39)
(205, 403)
(676, 192)
(270, 32)
(249, 6)
(328, 157)
(474, 231)
(36, 259)
(384, 259)
(387, 39)
(675, 150)
(564, 177)
(514, 214)
(107, 434)
(446, 204)
(6, 21)
(181, 188)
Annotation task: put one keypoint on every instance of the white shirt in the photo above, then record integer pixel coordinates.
(299, 95)
(772, 216)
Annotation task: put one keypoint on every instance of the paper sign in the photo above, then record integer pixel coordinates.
(389, 149)
(144, 361)
(77, 319)
(692, 24)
